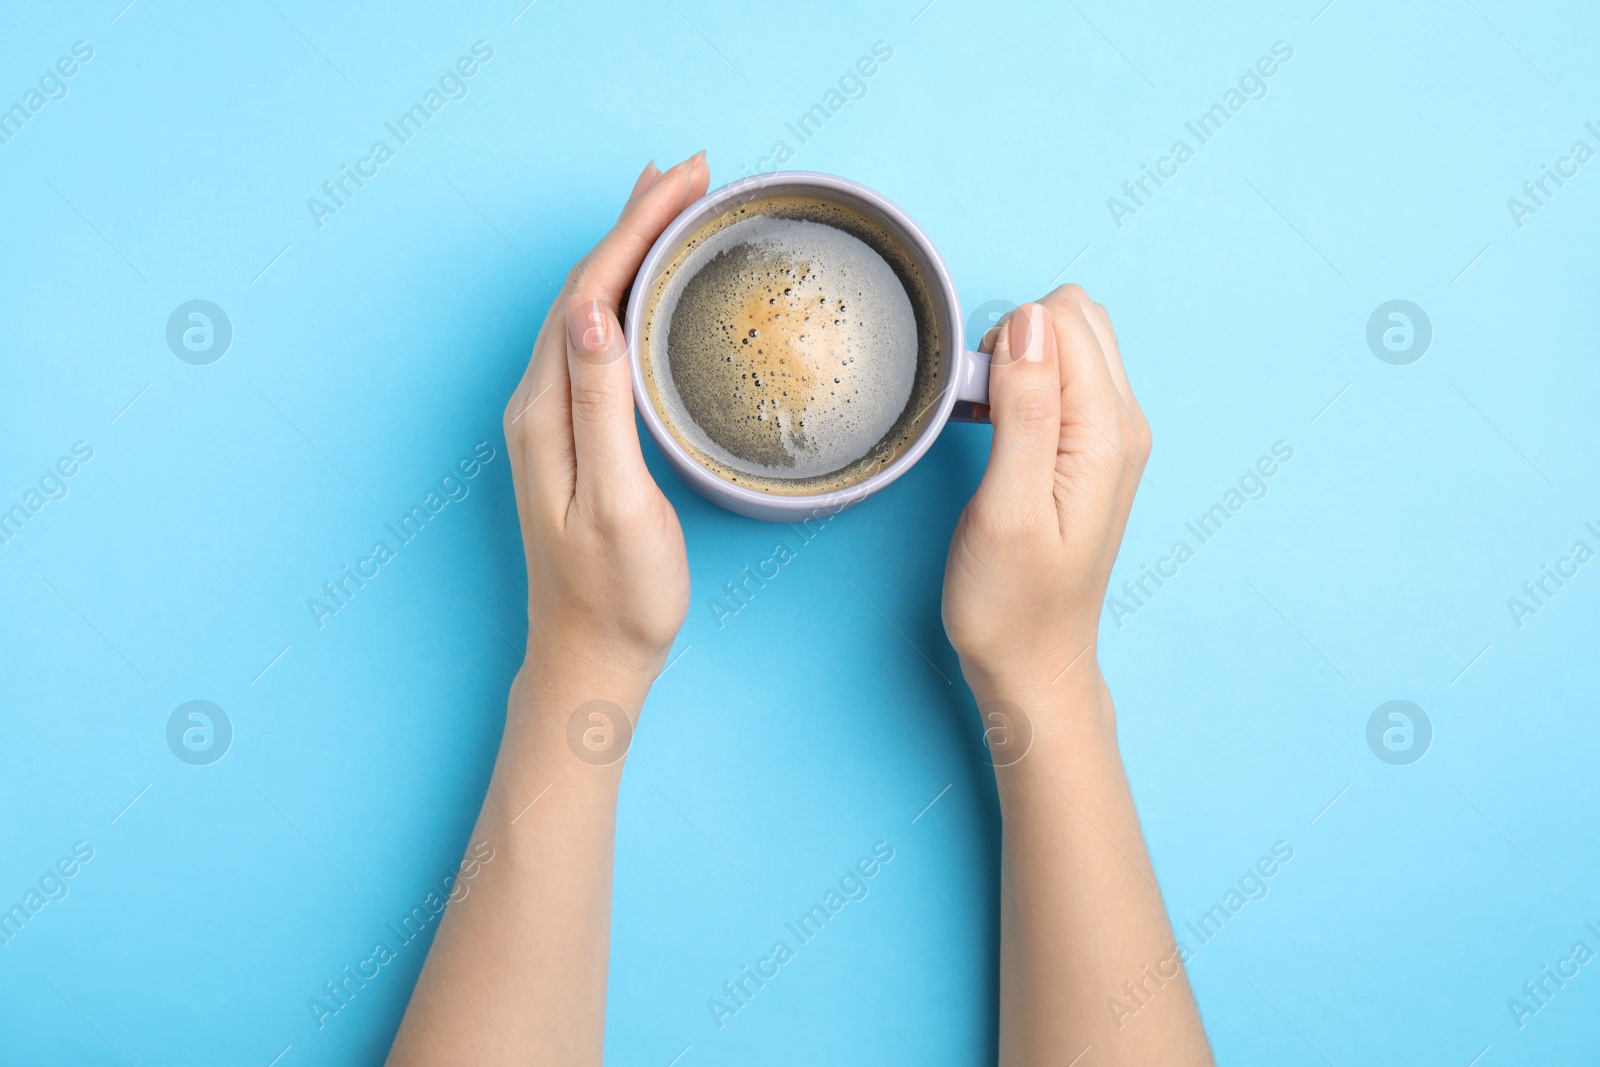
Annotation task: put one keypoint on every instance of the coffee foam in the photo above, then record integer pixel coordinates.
(791, 347)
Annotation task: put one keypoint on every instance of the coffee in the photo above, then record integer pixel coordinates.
(792, 346)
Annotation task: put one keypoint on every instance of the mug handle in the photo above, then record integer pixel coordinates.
(972, 389)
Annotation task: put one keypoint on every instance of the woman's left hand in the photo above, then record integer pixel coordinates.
(608, 578)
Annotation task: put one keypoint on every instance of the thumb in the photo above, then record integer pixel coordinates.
(1025, 407)
(604, 439)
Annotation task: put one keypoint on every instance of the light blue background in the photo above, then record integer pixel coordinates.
(381, 347)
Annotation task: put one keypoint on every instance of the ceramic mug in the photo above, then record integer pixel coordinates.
(964, 397)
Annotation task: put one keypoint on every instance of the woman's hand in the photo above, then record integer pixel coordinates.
(1080, 914)
(517, 972)
(608, 581)
(1033, 551)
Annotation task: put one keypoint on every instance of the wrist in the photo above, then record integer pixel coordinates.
(1067, 673)
(588, 669)
(583, 708)
(1050, 731)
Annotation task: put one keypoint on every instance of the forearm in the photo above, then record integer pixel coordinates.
(517, 973)
(1081, 916)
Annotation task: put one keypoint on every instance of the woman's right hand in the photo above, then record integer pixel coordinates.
(1032, 554)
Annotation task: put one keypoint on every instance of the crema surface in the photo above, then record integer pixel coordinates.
(784, 350)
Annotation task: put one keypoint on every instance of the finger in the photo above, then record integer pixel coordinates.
(541, 376)
(1100, 323)
(545, 419)
(1025, 407)
(647, 178)
(986, 343)
(528, 388)
(542, 398)
(607, 271)
(605, 440)
(538, 422)
(1088, 393)
(1095, 417)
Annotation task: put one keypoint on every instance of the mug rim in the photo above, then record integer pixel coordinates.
(742, 498)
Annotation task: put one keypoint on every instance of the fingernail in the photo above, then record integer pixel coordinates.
(588, 327)
(1031, 341)
(1002, 347)
(687, 164)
